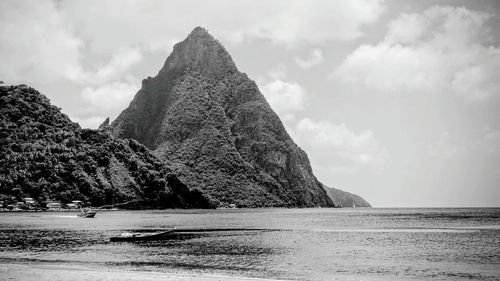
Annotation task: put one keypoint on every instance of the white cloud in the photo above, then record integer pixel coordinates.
(290, 22)
(91, 122)
(331, 147)
(36, 45)
(408, 28)
(484, 145)
(478, 82)
(315, 58)
(308, 21)
(39, 45)
(278, 73)
(336, 147)
(284, 97)
(110, 99)
(440, 50)
(52, 40)
(391, 68)
(117, 66)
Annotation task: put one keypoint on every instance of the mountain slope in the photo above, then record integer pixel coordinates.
(345, 199)
(45, 156)
(217, 131)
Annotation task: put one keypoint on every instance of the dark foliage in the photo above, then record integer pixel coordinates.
(218, 133)
(217, 140)
(44, 155)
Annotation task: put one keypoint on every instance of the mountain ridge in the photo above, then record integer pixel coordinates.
(198, 134)
(212, 123)
(345, 199)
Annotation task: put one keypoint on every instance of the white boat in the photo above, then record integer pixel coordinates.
(89, 213)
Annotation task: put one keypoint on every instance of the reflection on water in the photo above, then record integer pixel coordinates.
(302, 244)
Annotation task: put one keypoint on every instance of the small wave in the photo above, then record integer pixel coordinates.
(66, 216)
(482, 227)
(383, 230)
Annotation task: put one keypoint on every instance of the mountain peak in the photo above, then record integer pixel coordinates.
(200, 32)
(199, 52)
(213, 126)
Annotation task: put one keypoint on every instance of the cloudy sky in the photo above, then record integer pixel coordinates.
(398, 101)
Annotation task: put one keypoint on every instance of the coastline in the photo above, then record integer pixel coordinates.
(56, 272)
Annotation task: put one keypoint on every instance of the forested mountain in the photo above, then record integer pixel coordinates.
(46, 156)
(198, 134)
(213, 126)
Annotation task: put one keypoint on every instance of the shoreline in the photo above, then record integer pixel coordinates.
(33, 271)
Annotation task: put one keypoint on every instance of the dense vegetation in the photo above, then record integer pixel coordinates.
(210, 140)
(213, 126)
(44, 155)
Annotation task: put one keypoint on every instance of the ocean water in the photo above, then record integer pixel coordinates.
(296, 244)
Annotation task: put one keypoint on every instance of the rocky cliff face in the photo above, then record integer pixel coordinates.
(217, 131)
(345, 199)
(44, 155)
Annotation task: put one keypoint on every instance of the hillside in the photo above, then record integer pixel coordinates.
(345, 199)
(217, 131)
(44, 155)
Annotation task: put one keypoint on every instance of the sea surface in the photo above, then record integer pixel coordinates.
(293, 244)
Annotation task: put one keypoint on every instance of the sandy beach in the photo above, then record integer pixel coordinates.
(57, 272)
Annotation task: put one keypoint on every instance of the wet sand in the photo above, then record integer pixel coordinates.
(57, 272)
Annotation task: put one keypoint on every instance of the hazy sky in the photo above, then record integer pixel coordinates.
(397, 101)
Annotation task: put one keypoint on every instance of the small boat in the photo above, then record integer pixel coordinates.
(87, 213)
(160, 235)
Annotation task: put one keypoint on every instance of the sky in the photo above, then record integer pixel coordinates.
(397, 101)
